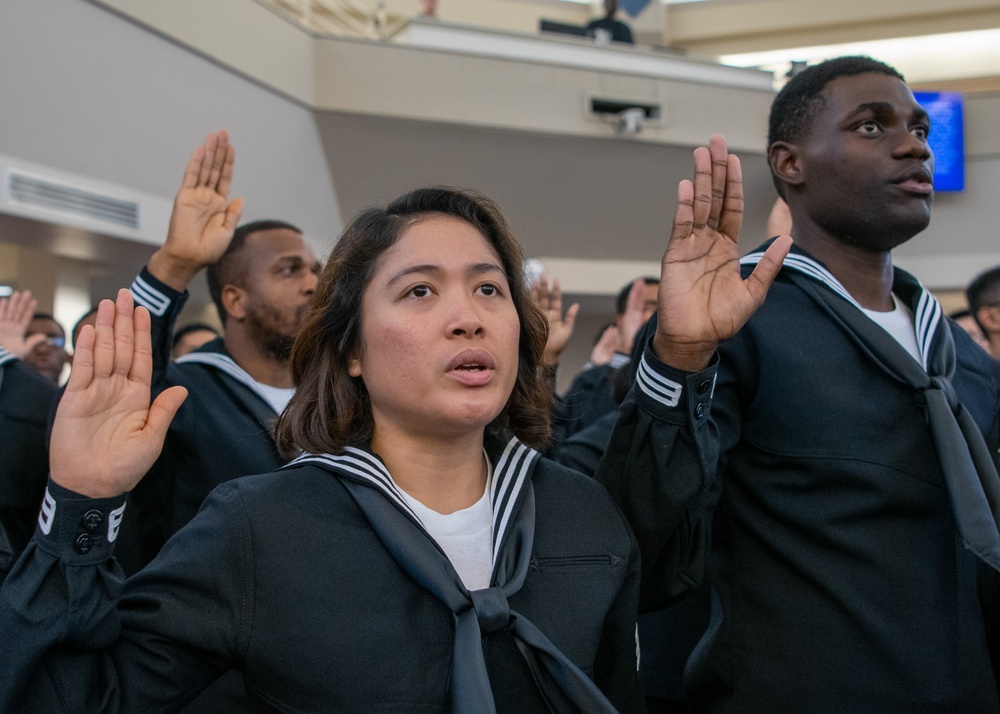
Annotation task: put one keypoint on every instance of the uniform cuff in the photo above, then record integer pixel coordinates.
(154, 295)
(77, 529)
(6, 356)
(664, 390)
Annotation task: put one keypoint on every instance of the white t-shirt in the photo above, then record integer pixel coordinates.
(465, 536)
(277, 397)
(898, 322)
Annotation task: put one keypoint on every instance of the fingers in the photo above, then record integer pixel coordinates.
(683, 225)
(104, 339)
(720, 165)
(142, 360)
(571, 313)
(555, 297)
(634, 303)
(708, 196)
(83, 360)
(124, 346)
(226, 175)
(32, 341)
(218, 159)
(193, 168)
(207, 159)
(18, 308)
(211, 164)
(731, 220)
(703, 178)
(767, 269)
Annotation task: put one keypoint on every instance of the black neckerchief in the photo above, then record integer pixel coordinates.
(479, 612)
(969, 473)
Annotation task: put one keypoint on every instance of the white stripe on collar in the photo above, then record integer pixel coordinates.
(510, 473)
(358, 462)
(926, 318)
(6, 356)
(225, 363)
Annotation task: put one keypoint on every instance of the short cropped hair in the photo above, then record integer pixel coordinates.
(621, 302)
(982, 291)
(183, 332)
(84, 320)
(231, 268)
(802, 98)
(331, 409)
(47, 316)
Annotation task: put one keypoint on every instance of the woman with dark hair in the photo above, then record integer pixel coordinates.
(418, 554)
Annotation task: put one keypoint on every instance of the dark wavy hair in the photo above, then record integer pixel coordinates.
(331, 409)
(798, 102)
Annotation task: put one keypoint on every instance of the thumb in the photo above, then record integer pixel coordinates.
(233, 213)
(163, 410)
(33, 341)
(768, 267)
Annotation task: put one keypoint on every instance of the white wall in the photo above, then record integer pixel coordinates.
(88, 92)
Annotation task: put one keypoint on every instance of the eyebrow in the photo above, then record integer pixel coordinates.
(884, 108)
(289, 260)
(430, 268)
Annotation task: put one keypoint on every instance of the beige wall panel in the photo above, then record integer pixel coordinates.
(435, 86)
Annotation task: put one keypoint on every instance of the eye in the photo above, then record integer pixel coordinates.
(922, 132)
(489, 290)
(419, 291)
(869, 127)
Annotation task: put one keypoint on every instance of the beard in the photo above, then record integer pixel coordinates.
(265, 324)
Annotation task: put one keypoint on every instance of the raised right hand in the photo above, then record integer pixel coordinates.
(604, 348)
(15, 316)
(106, 435)
(703, 299)
(203, 218)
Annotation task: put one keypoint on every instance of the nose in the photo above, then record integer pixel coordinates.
(309, 284)
(914, 147)
(465, 319)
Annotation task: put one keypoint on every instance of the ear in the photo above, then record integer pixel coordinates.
(354, 366)
(786, 163)
(234, 301)
(989, 317)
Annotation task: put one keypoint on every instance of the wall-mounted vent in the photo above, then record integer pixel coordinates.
(617, 106)
(42, 193)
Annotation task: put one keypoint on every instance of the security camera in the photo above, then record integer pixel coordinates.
(631, 120)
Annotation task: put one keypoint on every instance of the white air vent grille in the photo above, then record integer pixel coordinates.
(33, 191)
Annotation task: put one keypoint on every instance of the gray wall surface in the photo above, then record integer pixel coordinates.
(87, 92)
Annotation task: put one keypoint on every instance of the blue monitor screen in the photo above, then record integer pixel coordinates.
(947, 138)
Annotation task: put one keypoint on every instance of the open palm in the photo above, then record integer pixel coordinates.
(106, 434)
(703, 299)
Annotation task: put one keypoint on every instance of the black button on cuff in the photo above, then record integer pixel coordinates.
(92, 520)
(83, 544)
